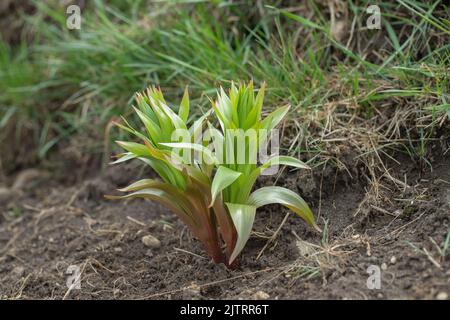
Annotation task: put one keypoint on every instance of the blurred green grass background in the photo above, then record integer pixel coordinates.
(60, 86)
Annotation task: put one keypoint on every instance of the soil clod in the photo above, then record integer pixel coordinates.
(151, 242)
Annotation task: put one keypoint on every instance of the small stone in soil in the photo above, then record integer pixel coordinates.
(261, 295)
(192, 292)
(442, 296)
(18, 271)
(151, 242)
(393, 260)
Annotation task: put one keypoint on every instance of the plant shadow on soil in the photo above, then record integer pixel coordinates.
(51, 224)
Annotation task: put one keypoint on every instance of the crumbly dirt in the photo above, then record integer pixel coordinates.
(48, 224)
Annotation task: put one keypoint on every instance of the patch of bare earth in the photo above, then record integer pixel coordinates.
(46, 226)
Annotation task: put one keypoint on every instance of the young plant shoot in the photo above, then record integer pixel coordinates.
(207, 173)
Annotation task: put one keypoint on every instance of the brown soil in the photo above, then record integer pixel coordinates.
(48, 224)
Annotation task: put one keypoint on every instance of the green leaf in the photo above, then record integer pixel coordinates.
(222, 179)
(165, 122)
(176, 121)
(254, 116)
(243, 217)
(172, 202)
(250, 180)
(285, 161)
(224, 121)
(152, 128)
(127, 127)
(143, 104)
(141, 184)
(286, 197)
(205, 152)
(226, 108)
(274, 118)
(196, 128)
(183, 113)
(166, 172)
(124, 157)
(138, 149)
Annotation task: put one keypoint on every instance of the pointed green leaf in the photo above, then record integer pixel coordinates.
(138, 149)
(166, 172)
(225, 106)
(144, 106)
(141, 184)
(130, 129)
(274, 118)
(152, 128)
(183, 112)
(254, 116)
(247, 185)
(196, 128)
(222, 179)
(224, 121)
(124, 157)
(205, 152)
(285, 161)
(165, 122)
(243, 217)
(176, 121)
(286, 197)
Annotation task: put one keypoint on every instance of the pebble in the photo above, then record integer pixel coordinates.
(261, 295)
(151, 242)
(192, 292)
(393, 260)
(18, 271)
(383, 266)
(442, 295)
